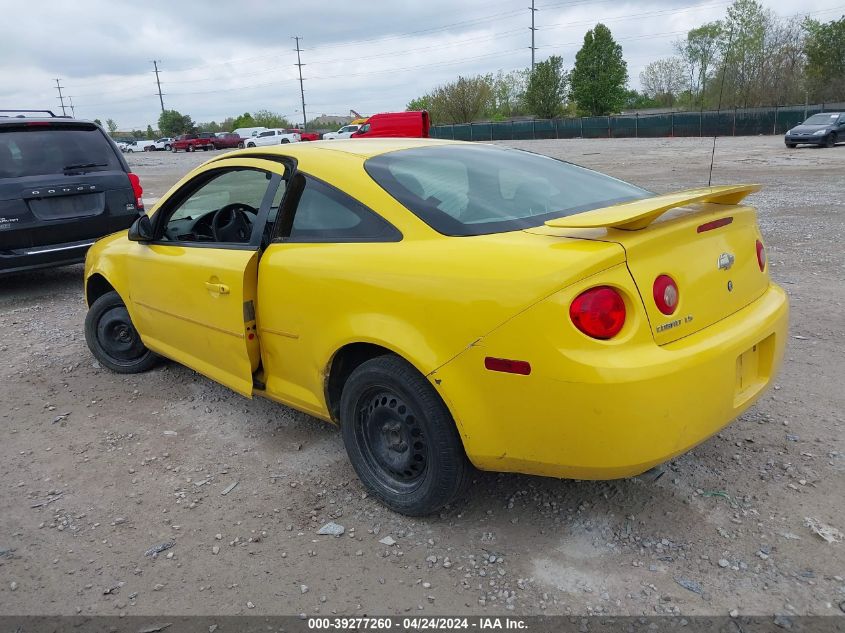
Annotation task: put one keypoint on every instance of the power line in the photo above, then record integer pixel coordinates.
(299, 65)
(533, 28)
(61, 98)
(158, 83)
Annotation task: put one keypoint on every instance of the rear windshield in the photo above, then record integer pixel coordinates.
(479, 189)
(40, 151)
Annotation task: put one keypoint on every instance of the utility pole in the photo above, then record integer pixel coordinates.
(533, 28)
(299, 65)
(61, 98)
(158, 83)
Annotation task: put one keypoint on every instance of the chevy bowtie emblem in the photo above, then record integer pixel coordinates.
(726, 260)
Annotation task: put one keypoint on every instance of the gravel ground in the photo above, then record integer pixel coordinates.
(97, 468)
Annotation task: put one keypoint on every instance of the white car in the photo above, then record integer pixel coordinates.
(272, 137)
(156, 145)
(345, 132)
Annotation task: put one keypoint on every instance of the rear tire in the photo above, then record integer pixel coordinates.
(401, 438)
(240, 145)
(113, 339)
(284, 140)
(174, 150)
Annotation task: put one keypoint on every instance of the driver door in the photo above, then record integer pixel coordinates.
(193, 287)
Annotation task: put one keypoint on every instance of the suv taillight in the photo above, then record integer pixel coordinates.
(598, 312)
(137, 189)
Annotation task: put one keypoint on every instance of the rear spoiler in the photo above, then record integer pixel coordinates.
(638, 214)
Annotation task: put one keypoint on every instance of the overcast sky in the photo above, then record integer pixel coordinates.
(220, 59)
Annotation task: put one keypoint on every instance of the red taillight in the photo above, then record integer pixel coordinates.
(666, 294)
(37, 124)
(137, 189)
(598, 312)
(508, 366)
(761, 255)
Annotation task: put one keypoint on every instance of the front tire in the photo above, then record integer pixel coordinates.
(401, 438)
(113, 339)
(284, 140)
(791, 145)
(830, 141)
(250, 144)
(167, 148)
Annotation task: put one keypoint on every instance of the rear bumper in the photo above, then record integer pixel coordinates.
(607, 413)
(34, 257)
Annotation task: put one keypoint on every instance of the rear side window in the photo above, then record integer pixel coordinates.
(325, 214)
(479, 189)
(41, 151)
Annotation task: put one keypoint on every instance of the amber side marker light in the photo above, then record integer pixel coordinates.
(508, 366)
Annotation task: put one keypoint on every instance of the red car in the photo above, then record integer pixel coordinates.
(227, 140)
(303, 135)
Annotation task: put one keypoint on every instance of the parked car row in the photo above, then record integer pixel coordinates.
(414, 124)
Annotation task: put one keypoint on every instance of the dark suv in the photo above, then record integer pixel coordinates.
(63, 185)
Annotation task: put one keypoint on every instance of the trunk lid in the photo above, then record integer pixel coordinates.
(707, 245)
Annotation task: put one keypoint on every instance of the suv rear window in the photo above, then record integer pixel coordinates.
(44, 150)
(479, 189)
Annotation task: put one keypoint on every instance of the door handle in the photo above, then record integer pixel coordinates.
(222, 289)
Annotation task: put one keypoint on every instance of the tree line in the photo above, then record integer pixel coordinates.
(751, 57)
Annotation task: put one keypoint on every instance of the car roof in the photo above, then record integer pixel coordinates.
(59, 120)
(364, 148)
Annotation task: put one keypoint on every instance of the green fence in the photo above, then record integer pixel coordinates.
(737, 122)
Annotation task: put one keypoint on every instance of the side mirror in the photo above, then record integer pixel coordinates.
(141, 229)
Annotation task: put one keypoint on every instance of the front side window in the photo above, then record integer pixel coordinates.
(325, 214)
(480, 189)
(223, 209)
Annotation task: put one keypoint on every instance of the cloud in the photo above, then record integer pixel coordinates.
(220, 59)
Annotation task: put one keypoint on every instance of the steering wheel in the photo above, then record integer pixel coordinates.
(231, 223)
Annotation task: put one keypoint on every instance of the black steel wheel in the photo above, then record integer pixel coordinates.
(113, 339)
(401, 438)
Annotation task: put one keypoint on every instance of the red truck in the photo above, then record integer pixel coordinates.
(193, 142)
(227, 140)
(413, 124)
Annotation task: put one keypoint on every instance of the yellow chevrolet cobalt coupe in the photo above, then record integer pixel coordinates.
(450, 304)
